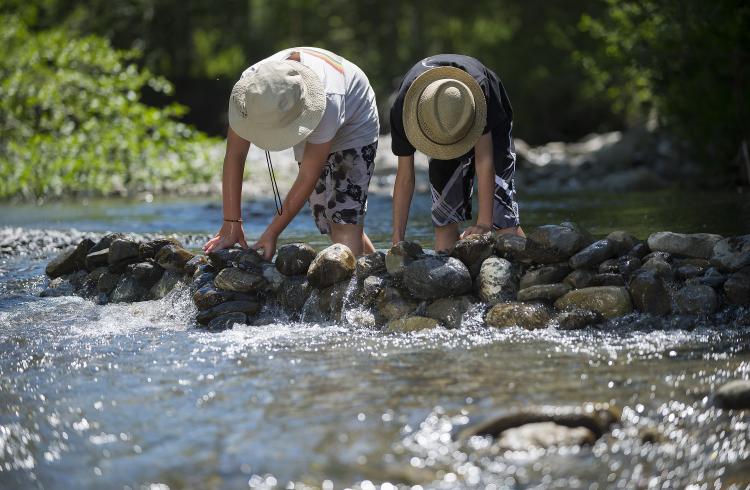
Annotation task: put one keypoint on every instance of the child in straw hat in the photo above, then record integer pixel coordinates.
(323, 106)
(455, 110)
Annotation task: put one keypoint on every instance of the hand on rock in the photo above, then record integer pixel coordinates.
(476, 230)
(267, 243)
(229, 234)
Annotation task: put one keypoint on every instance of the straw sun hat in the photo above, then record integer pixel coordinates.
(277, 105)
(445, 112)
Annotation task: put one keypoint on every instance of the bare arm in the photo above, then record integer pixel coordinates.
(403, 191)
(485, 172)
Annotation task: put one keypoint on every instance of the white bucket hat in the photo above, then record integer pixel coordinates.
(445, 112)
(277, 105)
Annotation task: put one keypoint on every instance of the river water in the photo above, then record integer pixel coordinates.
(134, 396)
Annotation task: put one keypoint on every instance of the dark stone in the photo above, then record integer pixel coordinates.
(200, 280)
(146, 273)
(472, 251)
(737, 287)
(69, 261)
(333, 264)
(734, 395)
(609, 266)
(122, 253)
(274, 279)
(627, 265)
(227, 321)
(166, 283)
(294, 259)
(294, 293)
(58, 287)
(331, 300)
(731, 254)
(173, 257)
(711, 277)
(577, 319)
(592, 255)
(511, 247)
(105, 241)
(209, 296)
(97, 259)
(622, 242)
(530, 316)
(435, 277)
(639, 250)
(77, 278)
(698, 245)
(247, 307)
(127, 290)
(659, 267)
(392, 304)
(696, 300)
(687, 271)
(666, 257)
(370, 265)
(193, 264)
(449, 311)
(555, 243)
(543, 292)
(107, 282)
(579, 278)
(548, 274)
(240, 281)
(399, 255)
(243, 258)
(609, 279)
(149, 249)
(650, 293)
(92, 278)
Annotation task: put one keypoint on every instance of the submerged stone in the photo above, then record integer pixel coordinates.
(371, 288)
(593, 255)
(333, 264)
(449, 311)
(734, 395)
(227, 321)
(294, 259)
(274, 278)
(472, 251)
(650, 293)
(107, 282)
(58, 287)
(435, 277)
(238, 280)
(731, 254)
(399, 255)
(525, 315)
(547, 274)
(331, 300)
(609, 301)
(698, 245)
(370, 265)
(247, 307)
(543, 292)
(544, 435)
(495, 282)
(391, 304)
(696, 300)
(577, 319)
(410, 324)
(70, 260)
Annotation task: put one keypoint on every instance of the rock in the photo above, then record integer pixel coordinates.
(92, 278)
(548, 274)
(274, 278)
(577, 319)
(659, 267)
(399, 255)
(168, 281)
(627, 265)
(149, 249)
(293, 293)
(146, 273)
(370, 265)
(665, 256)
(122, 252)
(332, 298)
(106, 241)
(449, 311)
(173, 257)
(128, 290)
(240, 281)
(70, 260)
(77, 278)
(711, 277)
(543, 292)
(391, 304)
(526, 315)
(96, 259)
(246, 307)
(371, 288)
(609, 266)
(472, 251)
(579, 278)
(294, 259)
(242, 258)
(194, 264)
(696, 300)
(227, 321)
(592, 255)
(609, 301)
(200, 279)
(650, 294)
(58, 287)
(731, 254)
(698, 245)
(410, 324)
(333, 264)
(687, 271)
(639, 251)
(107, 282)
(544, 435)
(435, 277)
(734, 395)
(553, 243)
(511, 247)
(737, 287)
(622, 241)
(495, 282)
(610, 279)
(209, 296)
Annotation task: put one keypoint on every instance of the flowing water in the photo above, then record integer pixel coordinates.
(133, 395)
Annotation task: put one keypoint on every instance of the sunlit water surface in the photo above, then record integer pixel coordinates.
(134, 395)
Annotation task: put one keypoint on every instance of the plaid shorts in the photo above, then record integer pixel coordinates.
(340, 195)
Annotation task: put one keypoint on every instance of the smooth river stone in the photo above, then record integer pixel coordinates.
(333, 264)
(370, 265)
(698, 245)
(435, 277)
(168, 281)
(544, 435)
(247, 307)
(173, 257)
(239, 281)
(472, 251)
(410, 324)
(495, 281)
(399, 255)
(593, 255)
(622, 241)
(70, 260)
(555, 243)
(731, 254)
(97, 259)
(696, 300)
(511, 247)
(123, 252)
(227, 320)
(737, 287)
(547, 274)
(543, 292)
(650, 294)
(294, 259)
(449, 311)
(733, 395)
(243, 258)
(391, 304)
(609, 301)
(525, 315)
(149, 249)
(576, 319)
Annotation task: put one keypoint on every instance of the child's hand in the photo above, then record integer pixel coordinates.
(267, 242)
(230, 233)
(476, 230)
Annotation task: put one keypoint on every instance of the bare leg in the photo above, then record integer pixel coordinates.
(445, 237)
(353, 236)
(513, 230)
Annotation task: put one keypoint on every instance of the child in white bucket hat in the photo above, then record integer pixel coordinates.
(322, 105)
(456, 111)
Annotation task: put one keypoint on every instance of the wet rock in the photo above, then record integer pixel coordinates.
(609, 301)
(555, 243)
(294, 293)
(526, 315)
(650, 435)
(274, 278)
(149, 249)
(650, 294)
(173, 257)
(495, 282)
(579, 278)
(511, 247)
(433, 277)
(410, 324)
(698, 245)
(209, 296)
(127, 290)
(592, 255)
(371, 288)
(58, 287)
(627, 265)
(194, 264)
(105, 241)
(639, 250)
(609, 279)
(577, 319)
(543, 292)
(249, 308)
(687, 271)
(734, 395)
(696, 300)
(391, 304)
(701, 264)
(227, 321)
(242, 258)
(544, 435)
(333, 264)
(77, 278)
(332, 298)
(659, 267)
(146, 273)
(666, 257)
(731, 254)
(294, 259)
(370, 265)
(122, 252)
(609, 266)
(472, 251)
(238, 280)
(449, 311)
(107, 282)
(622, 241)
(92, 278)
(400, 255)
(96, 259)
(711, 277)
(166, 283)
(547, 274)
(200, 279)
(70, 260)
(737, 287)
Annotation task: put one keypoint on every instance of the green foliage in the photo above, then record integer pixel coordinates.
(72, 120)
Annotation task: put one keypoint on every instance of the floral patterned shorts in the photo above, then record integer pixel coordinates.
(340, 195)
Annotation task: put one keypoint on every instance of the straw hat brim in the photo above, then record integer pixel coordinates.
(277, 139)
(418, 138)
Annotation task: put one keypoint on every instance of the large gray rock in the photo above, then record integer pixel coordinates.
(555, 243)
(122, 252)
(734, 395)
(495, 282)
(240, 281)
(737, 287)
(609, 301)
(547, 274)
(696, 300)
(622, 241)
(410, 324)
(242, 258)
(392, 304)
(472, 251)
(592, 255)
(247, 307)
(370, 265)
(526, 315)
(543, 292)
(543, 435)
(70, 260)
(294, 258)
(731, 254)
(173, 257)
(333, 264)
(577, 319)
(511, 247)
(399, 255)
(449, 311)
(689, 245)
(433, 277)
(650, 293)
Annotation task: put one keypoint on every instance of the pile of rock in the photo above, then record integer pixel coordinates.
(559, 275)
